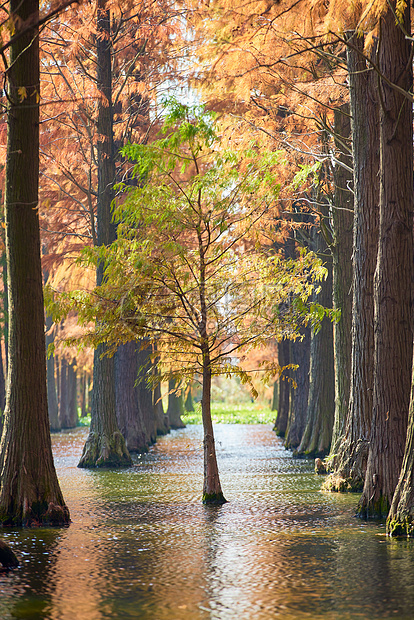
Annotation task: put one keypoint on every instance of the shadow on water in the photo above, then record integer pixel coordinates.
(142, 545)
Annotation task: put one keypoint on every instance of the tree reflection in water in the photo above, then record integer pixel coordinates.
(141, 545)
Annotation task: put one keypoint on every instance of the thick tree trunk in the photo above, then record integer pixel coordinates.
(350, 458)
(300, 355)
(30, 492)
(282, 417)
(317, 435)
(400, 520)
(212, 493)
(129, 416)
(144, 391)
(175, 406)
(393, 338)
(342, 219)
(105, 445)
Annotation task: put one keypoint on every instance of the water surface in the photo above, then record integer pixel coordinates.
(141, 545)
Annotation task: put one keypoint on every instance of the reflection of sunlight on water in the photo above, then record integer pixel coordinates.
(142, 546)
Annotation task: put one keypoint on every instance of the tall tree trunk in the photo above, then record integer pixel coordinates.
(350, 459)
(285, 388)
(64, 394)
(188, 403)
(342, 218)
(393, 338)
(212, 493)
(163, 423)
(400, 521)
(129, 416)
(275, 396)
(175, 406)
(281, 422)
(51, 382)
(300, 355)
(72, 395)
(30, 492)
(317, 435)
(144, 392)
(105, 445)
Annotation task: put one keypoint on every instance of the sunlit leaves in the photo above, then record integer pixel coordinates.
(189, 269)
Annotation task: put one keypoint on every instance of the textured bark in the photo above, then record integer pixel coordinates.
(300, 355)
(350, 458)
(342, 219)
(144, 392)
(83, 394)
(400, 520)
(317, 435)
(175, 406)
(105, 445)
(212, 493)
(393, 338)
(128, 413)
(281, 422)
(52, 400)
(30, 492)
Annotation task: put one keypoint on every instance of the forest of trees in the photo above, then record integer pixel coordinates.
(186, 185)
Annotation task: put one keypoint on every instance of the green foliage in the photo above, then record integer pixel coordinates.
(221, 413)
(188, 271)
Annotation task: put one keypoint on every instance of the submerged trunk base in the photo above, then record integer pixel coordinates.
(401, 526)
(105, 451)
(377, 508)
(214, 499)
(347, 473)
(38, 513)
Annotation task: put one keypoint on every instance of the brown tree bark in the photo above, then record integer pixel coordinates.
(393, 338)
(350, 458)
(300, 355)
(401, 516)
(316, 440)
(105, 446)
(30, 492)
(130, 420)
(52, 400)
(281, 422)
(342, 219)
(175, 406)
(63, 394)
(72, 395)
(212, 493)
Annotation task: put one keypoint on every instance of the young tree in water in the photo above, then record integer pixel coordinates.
(188, 270)
(29, 490)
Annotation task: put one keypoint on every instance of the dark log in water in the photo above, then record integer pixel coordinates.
(7, 557)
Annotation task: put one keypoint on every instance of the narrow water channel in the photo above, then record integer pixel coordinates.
(142, 546)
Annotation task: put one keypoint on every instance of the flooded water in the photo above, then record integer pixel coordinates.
(141, 544)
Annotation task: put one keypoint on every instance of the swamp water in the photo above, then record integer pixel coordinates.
(141, 545)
